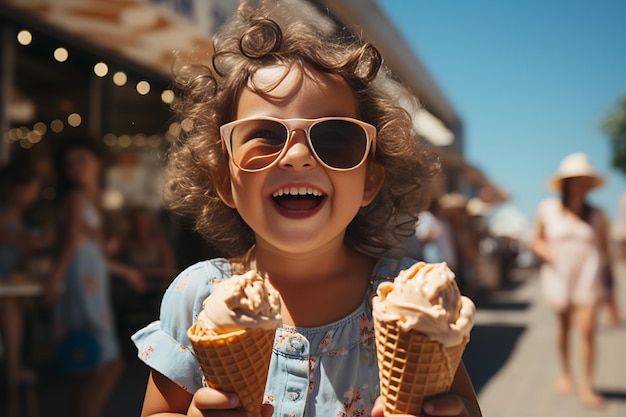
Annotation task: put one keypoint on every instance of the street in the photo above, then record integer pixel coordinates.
(512, 357)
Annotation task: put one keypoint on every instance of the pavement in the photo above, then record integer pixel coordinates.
(511, 359)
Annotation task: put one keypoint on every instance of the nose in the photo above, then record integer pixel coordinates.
(297, 154)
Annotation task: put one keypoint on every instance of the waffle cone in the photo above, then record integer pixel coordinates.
(235, 362)
(412, 367)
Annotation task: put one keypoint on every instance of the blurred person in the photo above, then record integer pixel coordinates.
(413, 246)
(20, 190)
(618, 230)
(127, 177)
(87, 344)
(465, 240)
(436, 236)
(571, 240)
(146, 247)
(136, 178)
(618, 236)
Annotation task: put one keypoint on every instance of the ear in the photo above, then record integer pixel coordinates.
(224, 191)
(374, 178)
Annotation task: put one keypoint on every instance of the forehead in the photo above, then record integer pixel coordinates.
(296, 92)
(581, 181)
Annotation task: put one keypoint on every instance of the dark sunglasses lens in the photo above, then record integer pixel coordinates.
(255, 144)
(339, 143)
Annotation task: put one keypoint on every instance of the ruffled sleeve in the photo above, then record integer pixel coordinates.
(163, 345)
(386, 269)
(390, 268)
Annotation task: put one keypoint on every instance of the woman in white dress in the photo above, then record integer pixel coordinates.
(571, 240)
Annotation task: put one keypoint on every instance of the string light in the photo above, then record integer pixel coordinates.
(139, 140)
(154, 141)
(167, 96)
(34, 137)
(12, 135)
(61, 54)
(24, 37)
(124, 141)
(40, 128)
(143, 87)
(120, 78)
(27, 137)
(22, 132)
(74, 120)
(187, 125)
(57, 126)
(101, 69)
(109, 139)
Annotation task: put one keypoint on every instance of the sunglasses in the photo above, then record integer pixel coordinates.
(338, 143)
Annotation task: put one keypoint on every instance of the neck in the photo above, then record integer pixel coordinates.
(316, 289)
(575, 204)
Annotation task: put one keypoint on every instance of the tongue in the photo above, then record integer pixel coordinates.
(298, 202)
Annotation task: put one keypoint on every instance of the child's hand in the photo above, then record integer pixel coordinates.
(446, 405)
(211, 402)
(450, 405)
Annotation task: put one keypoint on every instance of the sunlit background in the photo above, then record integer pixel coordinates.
(532, 82)
(507, 89)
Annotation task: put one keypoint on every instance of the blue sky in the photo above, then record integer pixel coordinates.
(531, 81)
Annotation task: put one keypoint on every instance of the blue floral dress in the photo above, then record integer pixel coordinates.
(321, 371)
(85, 325)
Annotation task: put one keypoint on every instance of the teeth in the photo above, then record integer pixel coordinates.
(297, 191)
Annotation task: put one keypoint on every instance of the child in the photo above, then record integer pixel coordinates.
(302, 166)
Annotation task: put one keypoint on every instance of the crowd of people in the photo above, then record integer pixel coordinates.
(74, 286)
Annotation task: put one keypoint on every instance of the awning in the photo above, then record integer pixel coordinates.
(140, 31)
(150, 34)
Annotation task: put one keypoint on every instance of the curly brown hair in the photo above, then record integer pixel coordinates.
(276, 32)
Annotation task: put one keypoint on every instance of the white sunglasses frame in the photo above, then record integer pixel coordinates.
(370, 136)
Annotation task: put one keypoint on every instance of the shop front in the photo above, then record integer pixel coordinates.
(101, 71)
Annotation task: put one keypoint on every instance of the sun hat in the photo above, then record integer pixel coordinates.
(574, 165)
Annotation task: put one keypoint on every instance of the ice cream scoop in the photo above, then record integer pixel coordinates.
(422, 325)
(233, 337)
(242, 302)
(426, 299)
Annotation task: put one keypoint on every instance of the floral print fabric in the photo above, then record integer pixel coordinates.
(321, 371)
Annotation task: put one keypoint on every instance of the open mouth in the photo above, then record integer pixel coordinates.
(298, 198)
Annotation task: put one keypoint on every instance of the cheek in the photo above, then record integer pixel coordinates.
(350, 188)
(244, 187)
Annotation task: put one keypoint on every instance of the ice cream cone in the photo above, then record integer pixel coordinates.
(412, 367)
(235, 362)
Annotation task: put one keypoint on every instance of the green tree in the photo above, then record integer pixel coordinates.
(614, 125)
